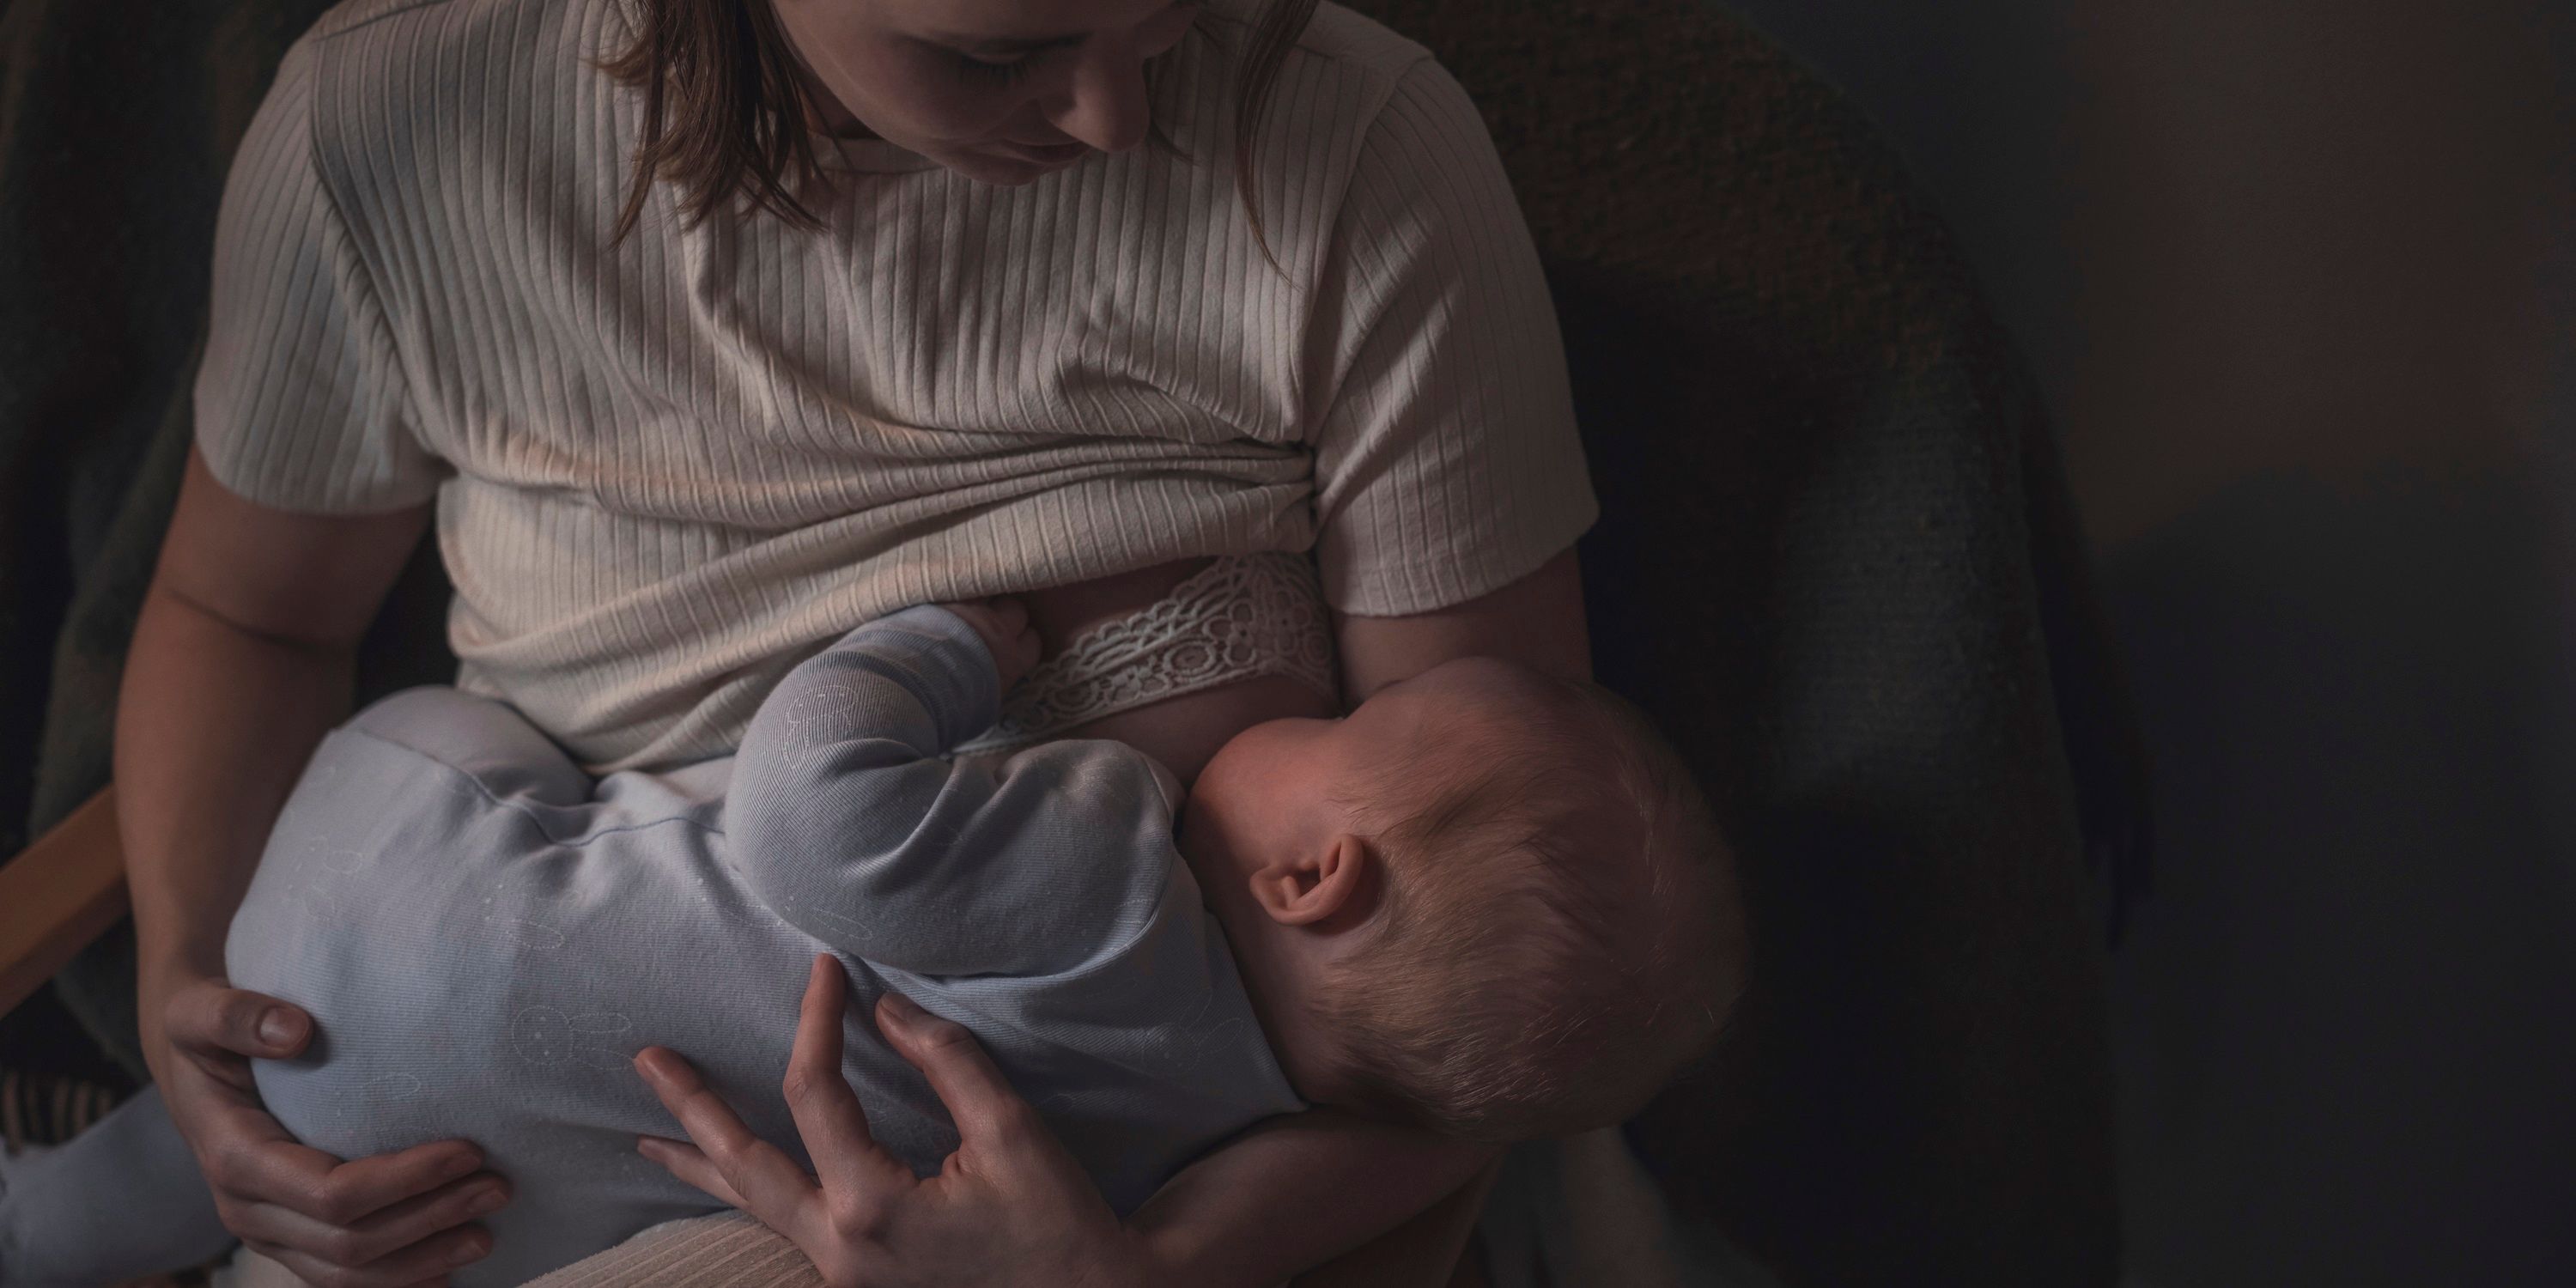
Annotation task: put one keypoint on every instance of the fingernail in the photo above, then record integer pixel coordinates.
(472, 1247)
(906, 1012)
(280, 1027)
(490, 1200)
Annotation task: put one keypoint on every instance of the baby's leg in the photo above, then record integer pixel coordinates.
(125, 1199)
(119, 1201)
(487, 740)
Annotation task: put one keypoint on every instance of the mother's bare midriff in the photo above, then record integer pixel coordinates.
(1181, 732)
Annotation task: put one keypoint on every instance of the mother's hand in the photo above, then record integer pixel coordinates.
(1011, 1206)
(381, 1222)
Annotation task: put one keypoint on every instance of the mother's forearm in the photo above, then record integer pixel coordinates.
(1536, 621)
(213, 724)
(1296, 1192)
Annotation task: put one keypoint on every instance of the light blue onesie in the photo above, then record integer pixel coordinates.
(485, 936)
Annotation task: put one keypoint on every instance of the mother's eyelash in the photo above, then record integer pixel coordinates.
(1010, 73)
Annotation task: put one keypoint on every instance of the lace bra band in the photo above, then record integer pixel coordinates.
(1240, 617)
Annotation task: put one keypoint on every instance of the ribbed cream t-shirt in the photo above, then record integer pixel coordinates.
(668, 470)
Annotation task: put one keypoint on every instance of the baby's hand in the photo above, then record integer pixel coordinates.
(1003, 621)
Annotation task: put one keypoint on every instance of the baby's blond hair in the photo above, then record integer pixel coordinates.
(1558, 933)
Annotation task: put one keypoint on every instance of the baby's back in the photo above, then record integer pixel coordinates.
(484, 938)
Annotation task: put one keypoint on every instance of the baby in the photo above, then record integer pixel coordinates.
(1487, 901)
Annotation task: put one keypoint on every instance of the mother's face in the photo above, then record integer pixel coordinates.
(1001, 91)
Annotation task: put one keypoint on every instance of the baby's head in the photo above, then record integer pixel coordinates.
(1488, 901)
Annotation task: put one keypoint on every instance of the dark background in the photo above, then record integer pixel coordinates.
(2298, 278)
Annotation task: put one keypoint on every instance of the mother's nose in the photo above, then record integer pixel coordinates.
(1105, 106)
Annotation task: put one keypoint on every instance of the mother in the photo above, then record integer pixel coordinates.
(706, 329)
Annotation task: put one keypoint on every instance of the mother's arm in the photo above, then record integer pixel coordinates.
(1537, 621)
(242, 657)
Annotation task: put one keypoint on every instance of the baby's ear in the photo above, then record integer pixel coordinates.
(1315, 885)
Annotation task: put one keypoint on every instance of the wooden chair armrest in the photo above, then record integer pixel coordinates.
(58, 894)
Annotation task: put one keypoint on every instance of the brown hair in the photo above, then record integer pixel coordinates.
(724, 110)
(1558, 933)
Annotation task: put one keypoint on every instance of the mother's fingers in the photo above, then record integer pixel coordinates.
(432, 1218)
(251, 1155)
(827, 1112)
(770, 1183)
(209, 1016)
(978, 1097)
(344, 1212)
(684, 1161)
(421, 1264)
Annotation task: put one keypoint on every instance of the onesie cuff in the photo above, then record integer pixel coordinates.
(958, 677)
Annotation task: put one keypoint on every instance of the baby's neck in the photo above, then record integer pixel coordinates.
(1266, 960)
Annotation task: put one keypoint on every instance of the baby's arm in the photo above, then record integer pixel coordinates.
(845, 820)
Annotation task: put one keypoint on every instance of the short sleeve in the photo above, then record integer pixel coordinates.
(300, 399)
(1447, 460)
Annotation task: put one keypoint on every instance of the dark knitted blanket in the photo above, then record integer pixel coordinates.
(1837, 560)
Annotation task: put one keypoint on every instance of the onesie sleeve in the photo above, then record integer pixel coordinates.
(1447, 462)
(848, 820)
(300, 399)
